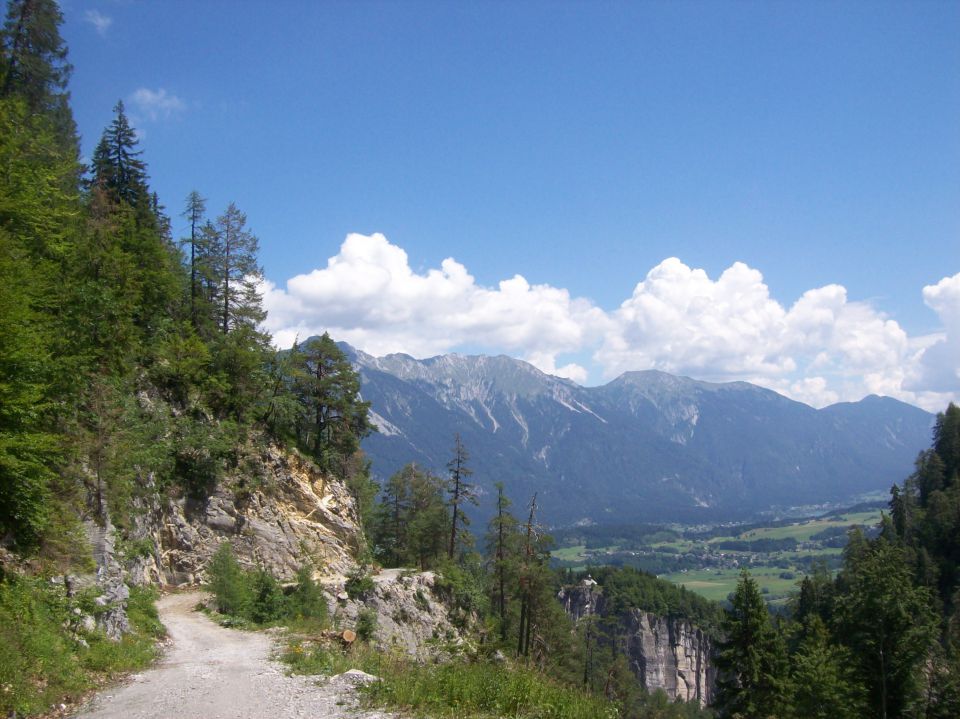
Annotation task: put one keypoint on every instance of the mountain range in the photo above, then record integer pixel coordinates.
(647, 446)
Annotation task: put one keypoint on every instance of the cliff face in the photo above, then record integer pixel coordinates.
(295, 516)
(664, 653)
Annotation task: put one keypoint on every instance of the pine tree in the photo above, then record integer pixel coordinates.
(333, 419)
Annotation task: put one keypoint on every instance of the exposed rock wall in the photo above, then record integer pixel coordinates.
(294, 515)
(112, 618)
(664, 652)
(411, 618)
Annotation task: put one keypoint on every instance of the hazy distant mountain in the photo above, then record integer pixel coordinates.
(646, 446)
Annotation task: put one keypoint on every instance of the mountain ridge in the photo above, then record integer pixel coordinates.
(645, 446)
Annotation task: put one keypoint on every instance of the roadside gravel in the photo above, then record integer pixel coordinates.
(210, 672)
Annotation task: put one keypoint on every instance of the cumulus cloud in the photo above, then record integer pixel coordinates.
(369, 296)
(938, 365)
(822, 349)
(100, 22)
(155, 105)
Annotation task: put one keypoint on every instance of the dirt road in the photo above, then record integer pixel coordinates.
(211, 672)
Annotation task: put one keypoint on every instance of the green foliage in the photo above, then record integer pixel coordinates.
(43, 661)
(229, 583)
(267, 602)
(822, 682)
(34, 647)
(462, 690)
(888, 623)
(34, 67)
(366, 624)
(750, 659)
(411, 521)
(255, 597)
(359, 583)
(306, 603)
(200, 451)
(331, 419)
(142, 612)
(463, 587)
(626, 588)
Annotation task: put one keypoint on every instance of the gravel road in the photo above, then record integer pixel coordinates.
(210, 672)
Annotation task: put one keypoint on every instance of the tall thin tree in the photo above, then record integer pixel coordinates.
(196, 207)
(460, 491)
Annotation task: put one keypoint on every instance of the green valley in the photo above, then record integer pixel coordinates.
(709, 561)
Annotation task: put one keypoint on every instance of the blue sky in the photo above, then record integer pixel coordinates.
(801, 161)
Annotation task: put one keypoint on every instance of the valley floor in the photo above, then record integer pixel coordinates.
(210, 671)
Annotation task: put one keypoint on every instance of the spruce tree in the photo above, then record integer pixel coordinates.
(887, 622)
(502, 545)
(822, 682)
(34, 66)
(117, 166)
(750, 660)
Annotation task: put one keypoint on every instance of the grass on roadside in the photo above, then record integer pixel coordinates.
(459, 689)
(47, 659)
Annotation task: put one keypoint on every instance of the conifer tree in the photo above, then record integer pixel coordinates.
(750, 659)
(234, 249)
(822, 683)
(34, 66)
(888, 623)
(390, 533)
(411, 519)
(502, 547)
(117, 167)
(333, 419)
(459, 491)
(194, 213)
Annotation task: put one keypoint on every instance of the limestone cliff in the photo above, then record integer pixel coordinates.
(665, 653)
(293, 515)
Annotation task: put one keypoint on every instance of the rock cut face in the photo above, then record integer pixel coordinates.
(295, 516)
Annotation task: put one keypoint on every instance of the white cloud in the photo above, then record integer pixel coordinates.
(99, 21)
(155, 104)
(369, 296)
(938, 363)
(822, 349)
